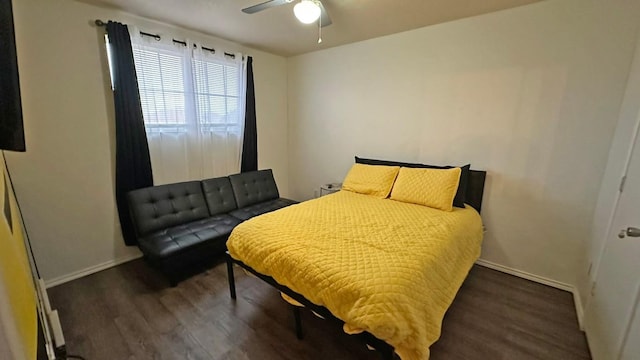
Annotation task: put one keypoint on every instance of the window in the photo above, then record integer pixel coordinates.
(165, 95)
(162, 89)
(193, 108)
(217, 89)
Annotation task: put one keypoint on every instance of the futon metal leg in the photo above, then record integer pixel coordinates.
(172, 277)
(232, 281)
(296, 316)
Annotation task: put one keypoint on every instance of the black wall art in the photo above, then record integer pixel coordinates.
(11, 128)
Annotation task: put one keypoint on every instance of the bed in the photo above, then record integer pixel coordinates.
(387, 270)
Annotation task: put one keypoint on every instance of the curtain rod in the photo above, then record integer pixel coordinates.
(101, 23)
(155, 36)
(184, 43)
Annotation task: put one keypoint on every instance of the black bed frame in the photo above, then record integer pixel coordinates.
(385, 349)
(475, 190)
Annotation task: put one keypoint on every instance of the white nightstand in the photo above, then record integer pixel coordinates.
(327, 189)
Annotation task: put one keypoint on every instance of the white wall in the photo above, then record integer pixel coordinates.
(529, 94)
(65, 181)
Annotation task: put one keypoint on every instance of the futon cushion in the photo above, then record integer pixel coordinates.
(248, 212)
(219, 195)
(179, 238)
(254, 187)
(434, 188)
(370, 180)
(160, 207)
(461, 193)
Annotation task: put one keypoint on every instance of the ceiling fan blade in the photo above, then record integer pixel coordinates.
(265, 5)
(325, 19)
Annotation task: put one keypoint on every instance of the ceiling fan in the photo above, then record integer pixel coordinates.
(307, 11)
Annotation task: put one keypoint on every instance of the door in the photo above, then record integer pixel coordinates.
(631, 345)
(612, 316)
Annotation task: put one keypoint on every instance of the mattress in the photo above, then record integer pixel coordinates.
(382, 266)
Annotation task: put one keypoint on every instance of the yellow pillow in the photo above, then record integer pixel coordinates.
(375, 180)
(434, 188)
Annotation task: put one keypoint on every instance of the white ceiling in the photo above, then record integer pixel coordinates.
(277, 31)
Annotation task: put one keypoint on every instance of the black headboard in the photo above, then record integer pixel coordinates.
(475, 186)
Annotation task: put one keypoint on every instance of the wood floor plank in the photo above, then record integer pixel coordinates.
(140, 340)
(129, 312)
(183, 345)
(208, 331)
(155, 313)
(87, 315)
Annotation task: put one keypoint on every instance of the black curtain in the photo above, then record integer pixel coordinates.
(133, 164)
(250, 142)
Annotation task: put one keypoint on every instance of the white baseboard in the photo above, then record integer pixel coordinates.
(541, 280)
(579, 308)
(90, 270)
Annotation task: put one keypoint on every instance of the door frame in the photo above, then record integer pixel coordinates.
(622, 147)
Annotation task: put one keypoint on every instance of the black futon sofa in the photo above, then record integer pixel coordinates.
(180, 226)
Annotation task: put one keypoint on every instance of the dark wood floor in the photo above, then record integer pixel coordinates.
(129, 312)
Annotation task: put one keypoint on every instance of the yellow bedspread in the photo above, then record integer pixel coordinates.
(382, 266)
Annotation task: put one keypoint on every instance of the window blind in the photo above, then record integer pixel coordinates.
(193, 104)
(172, 103)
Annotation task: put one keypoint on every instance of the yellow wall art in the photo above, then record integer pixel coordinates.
(18, 299)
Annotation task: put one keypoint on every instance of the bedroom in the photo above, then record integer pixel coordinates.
(530, 94)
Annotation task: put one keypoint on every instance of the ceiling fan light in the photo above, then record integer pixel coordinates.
(307, 11)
